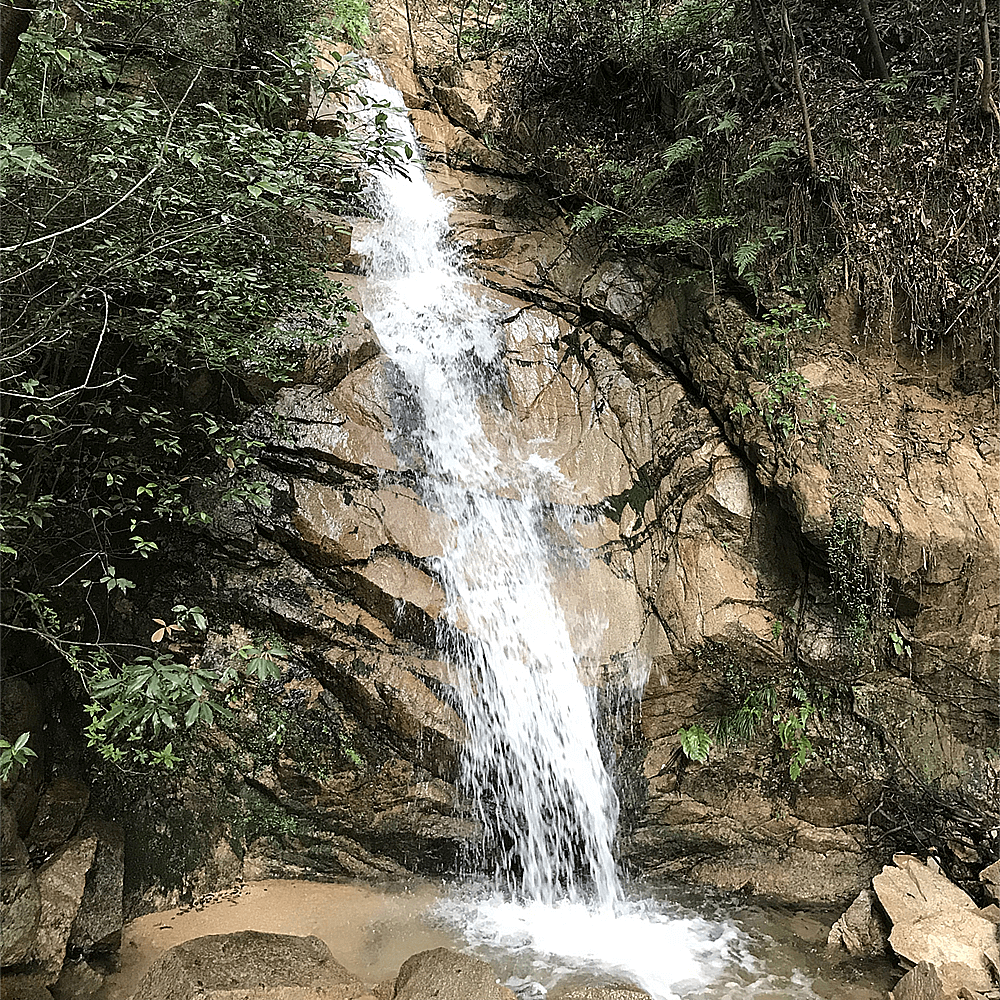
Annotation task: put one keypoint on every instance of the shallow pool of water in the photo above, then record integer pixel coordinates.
(701, 949)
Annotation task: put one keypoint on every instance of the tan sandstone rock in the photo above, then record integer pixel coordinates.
(935, 922)
(862, 930)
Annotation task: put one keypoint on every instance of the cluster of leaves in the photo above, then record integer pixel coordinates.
(157, 178)
(352, 19)
(758, 710)
(783, 398)
(14, 755)
(767, 143)
(135, 704)
(864, 596)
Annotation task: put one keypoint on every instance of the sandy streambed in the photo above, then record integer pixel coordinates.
(370, 931)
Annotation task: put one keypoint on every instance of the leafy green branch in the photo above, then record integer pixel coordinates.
(14, 755)
(134, 705)
(782, 397)
(162, 277)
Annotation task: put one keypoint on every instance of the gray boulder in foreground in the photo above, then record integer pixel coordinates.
(443, 974)
(249, 965)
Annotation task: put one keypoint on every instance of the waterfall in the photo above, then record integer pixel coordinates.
(532, 766)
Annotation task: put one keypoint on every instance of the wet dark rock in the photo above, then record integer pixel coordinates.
(25, 987)
(990, 878)
(77, 981)
(59, 812)
(20, 896)
(96, 929)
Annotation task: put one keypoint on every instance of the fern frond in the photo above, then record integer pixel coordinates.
(746, 256)
(679, 151)
(767, 161)
(589, 215)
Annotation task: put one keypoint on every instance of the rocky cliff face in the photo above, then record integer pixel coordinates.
(828, 597)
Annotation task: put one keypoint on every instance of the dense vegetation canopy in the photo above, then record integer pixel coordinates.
(804, 145)
(160, 174)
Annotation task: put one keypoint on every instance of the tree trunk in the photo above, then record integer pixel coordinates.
(987, 102)
(800, 89)
(761, 54)
(866, 11)
(14, 19)
(409, 32)
(958, 72)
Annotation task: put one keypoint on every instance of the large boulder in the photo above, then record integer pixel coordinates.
(249, 965)
(861, 931)
(20, 897)
(62, 881)
(937, 924)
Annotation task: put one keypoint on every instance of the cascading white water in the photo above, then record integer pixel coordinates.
(532, 764)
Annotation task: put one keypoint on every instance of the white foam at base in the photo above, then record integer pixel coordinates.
(642, 943)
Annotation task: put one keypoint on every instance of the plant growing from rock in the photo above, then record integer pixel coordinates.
(14, 755)
(760, 709)
(782, 397)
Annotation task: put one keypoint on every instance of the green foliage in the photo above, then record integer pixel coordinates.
(263, 662)
(741, 726)
(681, 151)
(266, 818)
(161, 276)
(14, 755)
(791, 730)
(589, 215)
(696, 742)
(352, 19)
(683, 233)
(136, 703)
(861, 591)
(767, 161)
(690, 111)
(899, 645)
(760, 708)
(783, 398)
(145, 698)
